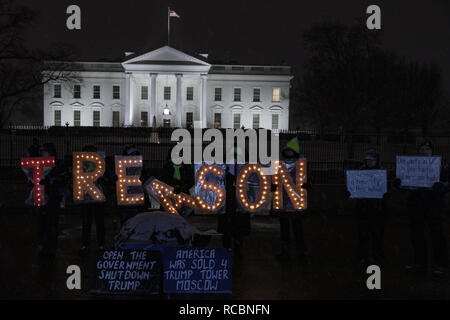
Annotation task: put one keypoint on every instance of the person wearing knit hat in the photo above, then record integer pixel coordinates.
(292, 219)
(370, 215)
(425, 210)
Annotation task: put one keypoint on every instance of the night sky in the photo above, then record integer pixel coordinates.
(258, 32)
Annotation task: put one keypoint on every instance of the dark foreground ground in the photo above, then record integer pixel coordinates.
(332, 274)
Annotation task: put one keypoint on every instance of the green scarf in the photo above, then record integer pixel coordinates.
(176, 172)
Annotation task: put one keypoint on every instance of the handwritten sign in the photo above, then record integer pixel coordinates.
(196, 270)
(367, 183)
(127, 272)
(418, 171)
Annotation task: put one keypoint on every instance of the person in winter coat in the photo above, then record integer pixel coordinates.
(425, 209)
(371, 215)
(48, 214)
(235, 223)
(91, 211)
(291, 218)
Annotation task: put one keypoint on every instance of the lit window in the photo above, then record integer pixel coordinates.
(256, 121)
(217, 94)
(190, 93)
(57, 91)
(236, 120)
(237, 94)
(166, 93)
(77, 91)
(275, 121)
(96, 118)
(76, 118)
(217, 120)
(116, 92)
(96, 93)
(116, 118)
(144, 93)
(276, 95)
(256, 95)
(58, 118)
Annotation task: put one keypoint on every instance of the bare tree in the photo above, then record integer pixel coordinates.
(21, 69)
(352, 83)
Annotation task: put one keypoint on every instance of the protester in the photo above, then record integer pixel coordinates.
(127, 212)
(425, 209)
(371, 217)
(48, 214)
(179, 176)
(235, 223)
(290, 217)
(92, 210)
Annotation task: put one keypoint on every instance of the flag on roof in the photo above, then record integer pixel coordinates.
(173, 14)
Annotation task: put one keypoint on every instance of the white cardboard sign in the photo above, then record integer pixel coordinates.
(418, 171)
(367, 183)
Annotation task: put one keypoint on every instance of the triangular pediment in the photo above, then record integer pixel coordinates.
(166, 56)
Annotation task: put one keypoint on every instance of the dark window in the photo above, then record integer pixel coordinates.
(237, 94)
(190, 93)
(189, 119)
(217, 94)
(77, 91)
(96, 94)
(166, 93)
(217, 120)
(116, 92)
(144, 119)
(57, 91)
(144, 93)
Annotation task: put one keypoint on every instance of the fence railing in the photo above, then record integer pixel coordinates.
(329, 154)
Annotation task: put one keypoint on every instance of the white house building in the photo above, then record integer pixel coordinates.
(167, 87)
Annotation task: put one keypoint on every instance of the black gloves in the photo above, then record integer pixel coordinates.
(439, 187)
(307, 186)
(397, 182)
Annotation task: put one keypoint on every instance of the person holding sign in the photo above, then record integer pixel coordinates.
(290, 217)
(235, 223)
(371, 214)
(425, 208)
(91, 209)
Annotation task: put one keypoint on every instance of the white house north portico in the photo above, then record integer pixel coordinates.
(169, 88)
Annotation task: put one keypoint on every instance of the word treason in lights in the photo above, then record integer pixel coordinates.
(38, 165)
(128, 170)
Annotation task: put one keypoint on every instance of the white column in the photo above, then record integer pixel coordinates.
(127, 101)
(152, 112)
(179, 104)
(203, 117)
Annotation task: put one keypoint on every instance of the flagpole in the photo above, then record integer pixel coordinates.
(168, 26)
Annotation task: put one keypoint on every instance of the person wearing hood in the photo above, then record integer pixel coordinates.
(292, 218)
(370, 217)
(426, 209)
(90, 211)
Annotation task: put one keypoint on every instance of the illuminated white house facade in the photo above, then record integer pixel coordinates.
(167, 87)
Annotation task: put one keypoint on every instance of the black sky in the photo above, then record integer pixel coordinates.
(260, 32)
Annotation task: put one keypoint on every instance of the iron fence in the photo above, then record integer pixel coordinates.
(329, 154)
